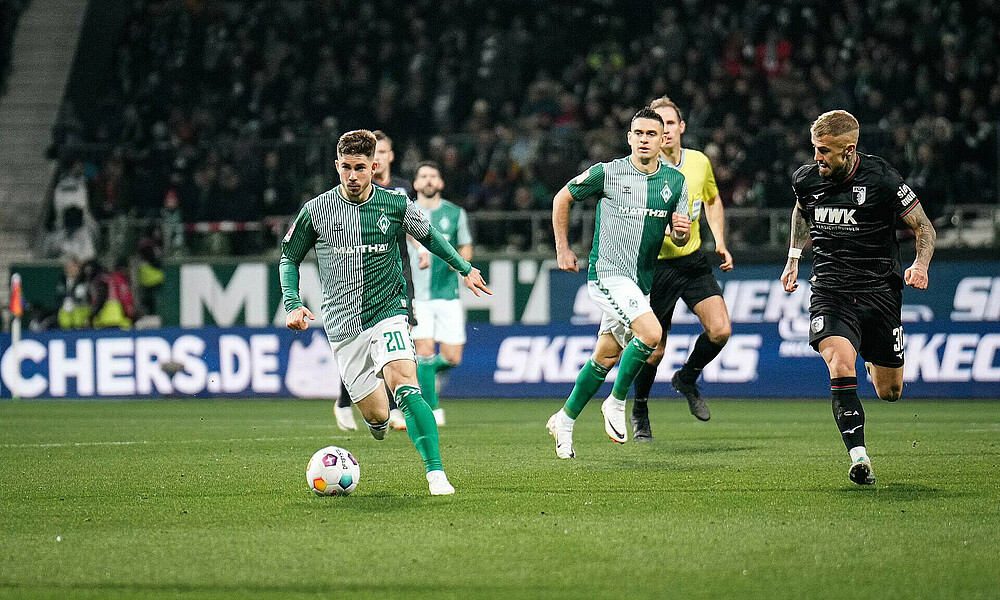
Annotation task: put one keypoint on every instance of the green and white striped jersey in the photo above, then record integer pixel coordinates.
(439, 281)
(359, 264)
(632, 215)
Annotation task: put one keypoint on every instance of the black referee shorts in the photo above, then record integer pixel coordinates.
(689, 277)
(870, 320)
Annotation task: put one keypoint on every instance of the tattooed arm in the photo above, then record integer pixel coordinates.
(917, 220)
(799, 238)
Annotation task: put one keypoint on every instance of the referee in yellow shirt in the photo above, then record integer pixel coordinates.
(684, 272)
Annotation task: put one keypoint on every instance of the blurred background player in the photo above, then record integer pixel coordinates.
(638, 198)
(848, 203)
(684, 272)
(384, 157)
(364, 302)
(439, 313)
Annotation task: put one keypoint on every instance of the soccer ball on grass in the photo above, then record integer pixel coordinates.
(333, 471)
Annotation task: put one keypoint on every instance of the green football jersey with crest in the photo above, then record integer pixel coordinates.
(633, 214)
(439, 281)
(359, 264)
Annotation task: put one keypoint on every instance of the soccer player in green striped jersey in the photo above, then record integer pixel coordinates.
(353, 228)
(439, 313)
(640, 200)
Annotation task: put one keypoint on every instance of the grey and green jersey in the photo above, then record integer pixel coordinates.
(439, 281)
(632, 215)
(359, 264)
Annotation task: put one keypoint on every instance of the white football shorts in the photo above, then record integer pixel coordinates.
(361, 358)
(439, 320)
(621, 301)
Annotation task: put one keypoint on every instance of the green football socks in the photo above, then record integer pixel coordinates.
(633, 359)
(427, 369)
(587, 383)
(420, 425)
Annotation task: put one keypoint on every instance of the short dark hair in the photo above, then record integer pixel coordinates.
(382, 137)
(647, 113)
(663, 101)
(359, 142)
(426, 163)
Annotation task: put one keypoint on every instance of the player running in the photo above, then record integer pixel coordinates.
(353, 228)
(439, 313)
(684, 272)
(638, 200)
(384, 157)
(847, 203)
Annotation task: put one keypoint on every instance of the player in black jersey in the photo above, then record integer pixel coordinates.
(848, 203)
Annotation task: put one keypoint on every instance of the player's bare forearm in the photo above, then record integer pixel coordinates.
(565, 257)
(716, 217)
(466, 251)
(916, 276)
(926, 235)
(800, 229)
(798, 239)
(560, 217)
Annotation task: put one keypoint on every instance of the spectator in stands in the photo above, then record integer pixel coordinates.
(74, 306)
(151, 273)
(107, 305)
(492, 93)
(73, 239)
(70, 191)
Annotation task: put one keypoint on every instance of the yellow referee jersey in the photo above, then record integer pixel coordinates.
(697, 170)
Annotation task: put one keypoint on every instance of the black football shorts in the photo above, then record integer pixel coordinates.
(688, 277)
(870, 320)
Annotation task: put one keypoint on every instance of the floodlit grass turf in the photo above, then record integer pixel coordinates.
(207, 499)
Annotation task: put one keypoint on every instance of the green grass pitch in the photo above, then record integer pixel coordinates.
(207, 499)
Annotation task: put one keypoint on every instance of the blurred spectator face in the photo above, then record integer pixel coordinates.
(271, 160)
(523, 198)
(383, 157)
(71, 268)
(645, 138)
(428, 182)
(673, 127)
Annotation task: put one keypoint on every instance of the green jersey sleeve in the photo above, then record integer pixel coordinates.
(301, 237)
(464, 237)
(588, 183)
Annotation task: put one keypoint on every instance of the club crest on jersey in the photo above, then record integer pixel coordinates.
(626, 190)
(860, 194)
(666, 194)
(383, 223)
(335, 226)
(816, 325)
(445, 223)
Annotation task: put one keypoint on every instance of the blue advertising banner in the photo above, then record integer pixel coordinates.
(210, 362)
(762, 360)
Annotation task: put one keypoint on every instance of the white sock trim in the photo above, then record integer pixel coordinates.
(858, 452)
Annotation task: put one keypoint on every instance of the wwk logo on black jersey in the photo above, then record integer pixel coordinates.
(836, 216)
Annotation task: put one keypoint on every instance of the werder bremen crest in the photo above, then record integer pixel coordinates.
(666, 194)
(383, 223)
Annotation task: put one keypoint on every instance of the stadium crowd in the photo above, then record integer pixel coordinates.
(228, 110)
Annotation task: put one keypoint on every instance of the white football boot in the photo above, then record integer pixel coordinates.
(614, 419)
(561, 428)
(438, 483)
(345, 418)
(396, 420)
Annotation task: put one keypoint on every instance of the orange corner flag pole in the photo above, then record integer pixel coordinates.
(16, 310)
